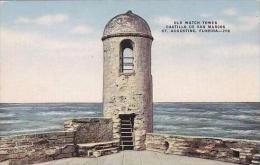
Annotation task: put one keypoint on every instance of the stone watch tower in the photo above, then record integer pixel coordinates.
(127, 79)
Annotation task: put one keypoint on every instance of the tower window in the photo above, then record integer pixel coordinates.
(127, 57)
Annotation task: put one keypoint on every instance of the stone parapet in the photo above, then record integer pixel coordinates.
(42, 147)
(222, 149)
(94, 137)
(33, 148)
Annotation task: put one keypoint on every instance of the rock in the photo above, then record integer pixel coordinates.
(68, 149)
(3, 152)
(51, 152)
(69, 140)
(255, 162)
(256, 156)
(96, 153)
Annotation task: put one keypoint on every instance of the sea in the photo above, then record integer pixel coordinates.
(228, 120)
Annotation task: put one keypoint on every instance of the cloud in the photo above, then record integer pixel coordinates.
(81, 29)
(195, 83)
(236, 51)
(243, 24)
(45, 20)
(230, 12)
(205, 15)
(47, 68)
(248, 23)
(19, 40)
(2, 3)
(164, 20)
(197, 45)
(204, 68)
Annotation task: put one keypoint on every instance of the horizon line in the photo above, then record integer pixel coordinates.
(153, 102)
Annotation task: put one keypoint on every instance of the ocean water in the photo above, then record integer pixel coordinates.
(231, 120)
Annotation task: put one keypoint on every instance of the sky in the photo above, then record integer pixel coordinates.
(51, 51)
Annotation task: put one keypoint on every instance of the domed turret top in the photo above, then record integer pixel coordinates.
(127, 24)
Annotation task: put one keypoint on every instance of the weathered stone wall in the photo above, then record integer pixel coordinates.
(26, 149)
(42, 147)
(128, 94)
(90, 130)
(229, 150)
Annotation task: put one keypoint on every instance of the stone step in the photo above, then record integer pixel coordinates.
(126, 141)
(108, 149)
(126, 136)
(99, 143)
(103, 152)
(126, 124)
(89, 148)
(125, 121)
(126, 133)
(103, 147)
(126, 145)
(127, 129)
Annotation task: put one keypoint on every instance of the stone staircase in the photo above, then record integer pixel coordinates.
(126, 139)
(98, 149)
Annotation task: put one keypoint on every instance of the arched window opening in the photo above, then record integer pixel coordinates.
(127, 57)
